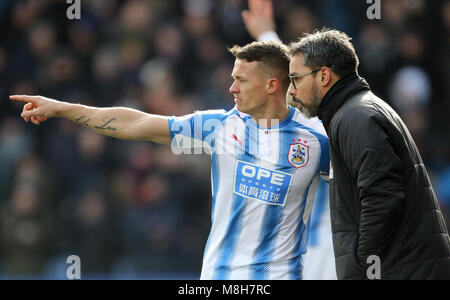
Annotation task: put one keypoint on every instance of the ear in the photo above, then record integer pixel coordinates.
(325, 75)
(272, 85)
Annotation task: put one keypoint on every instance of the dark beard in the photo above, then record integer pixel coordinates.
(309, 111)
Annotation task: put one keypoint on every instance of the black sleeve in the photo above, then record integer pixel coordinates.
(369, 154)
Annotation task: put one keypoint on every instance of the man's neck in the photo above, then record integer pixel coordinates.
(277, 114)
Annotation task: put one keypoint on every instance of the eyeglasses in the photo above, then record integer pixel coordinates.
(296, 76)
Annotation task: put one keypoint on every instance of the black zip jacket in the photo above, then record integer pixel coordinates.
(381, 199)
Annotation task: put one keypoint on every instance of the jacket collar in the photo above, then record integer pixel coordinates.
(338, 94)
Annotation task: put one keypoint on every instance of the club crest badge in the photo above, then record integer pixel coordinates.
(298, 155)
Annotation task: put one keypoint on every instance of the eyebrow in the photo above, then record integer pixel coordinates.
(237, 77)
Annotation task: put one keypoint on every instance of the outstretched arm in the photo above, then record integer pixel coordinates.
(259, 19)
(118, 122)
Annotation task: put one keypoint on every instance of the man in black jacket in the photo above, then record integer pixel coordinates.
(382, 202)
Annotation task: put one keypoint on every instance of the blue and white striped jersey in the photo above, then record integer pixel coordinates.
(319, 259)
(263, 185)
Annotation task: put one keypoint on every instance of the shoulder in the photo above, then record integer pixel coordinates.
(360, 113)
(205, 115)
(362, 122)
(313, 125)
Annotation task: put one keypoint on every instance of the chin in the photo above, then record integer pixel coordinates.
(241, 108)
(307, 112)
(295, 104)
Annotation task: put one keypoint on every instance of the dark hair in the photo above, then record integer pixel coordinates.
(330, 48)
(274, 57)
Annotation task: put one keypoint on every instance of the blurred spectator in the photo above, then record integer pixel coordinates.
(41, 39)
(136, 207)
(136, 17)
(93, 233)
(300, 19)
(14, 144)
(410, 93)
(27, 224)
(376, 51)
(106, 85)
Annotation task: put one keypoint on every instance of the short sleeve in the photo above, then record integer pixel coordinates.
(195, 130)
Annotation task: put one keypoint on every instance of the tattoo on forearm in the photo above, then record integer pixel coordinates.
(105, 124)
(83, 120)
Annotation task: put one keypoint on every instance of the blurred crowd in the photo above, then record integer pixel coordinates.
(132, 208)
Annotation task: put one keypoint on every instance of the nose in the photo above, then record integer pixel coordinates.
(234, 89)
(292, 90)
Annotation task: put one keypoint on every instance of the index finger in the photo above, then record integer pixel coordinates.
(254, 6)
(23, 98)
(268, 7)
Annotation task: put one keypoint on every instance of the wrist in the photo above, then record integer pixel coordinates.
(62, 109)
(268, 35)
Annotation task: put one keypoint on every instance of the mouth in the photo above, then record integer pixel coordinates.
(296, 101)
(237, 100)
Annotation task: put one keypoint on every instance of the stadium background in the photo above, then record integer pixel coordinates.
(134, 209)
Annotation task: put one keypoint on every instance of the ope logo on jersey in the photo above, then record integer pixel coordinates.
(298, 155)
(255, 182)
